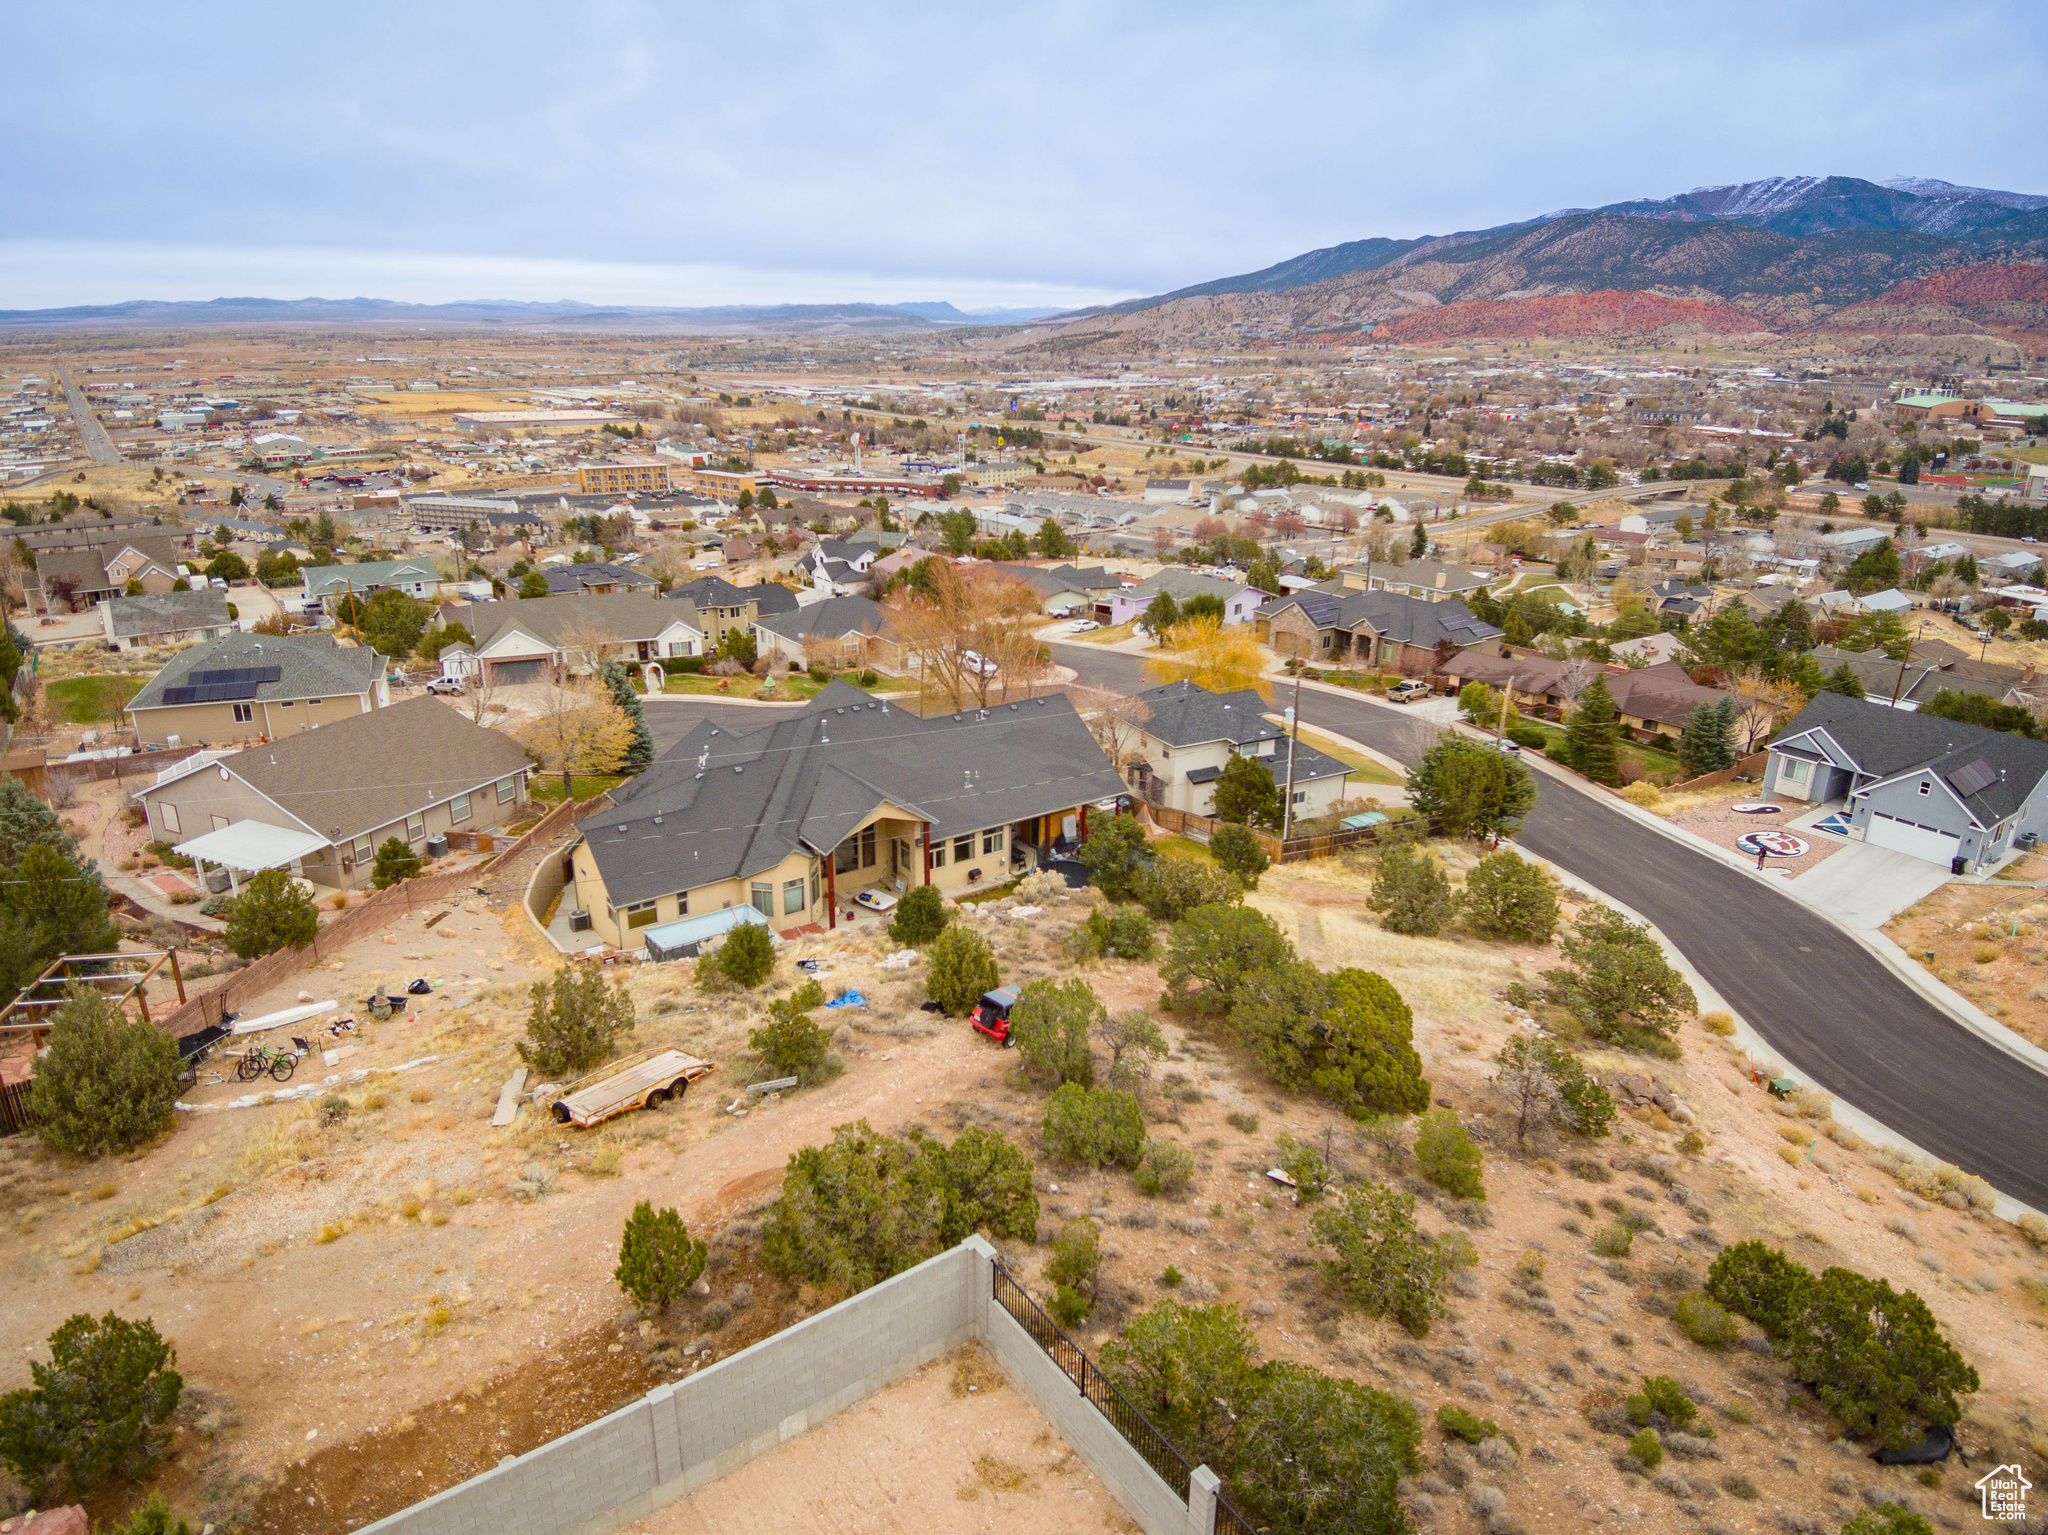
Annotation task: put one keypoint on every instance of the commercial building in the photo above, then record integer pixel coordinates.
(624, 477)
(854, 482)
(453, 514)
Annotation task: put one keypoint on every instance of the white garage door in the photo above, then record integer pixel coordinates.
(1907, 837)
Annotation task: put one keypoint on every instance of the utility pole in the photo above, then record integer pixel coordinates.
(1293, 736)
(1898, 686)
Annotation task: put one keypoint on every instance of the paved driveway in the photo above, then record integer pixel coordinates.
(1862, 886)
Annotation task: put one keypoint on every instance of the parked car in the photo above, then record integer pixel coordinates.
(991, 1015)
(447, 687)
(974, 661)
(1407, 692)
(1084, 625)
(1505, 745)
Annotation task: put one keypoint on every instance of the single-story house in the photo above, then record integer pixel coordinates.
(1653, 520)
(1890, 600)
(848, 793)
(1431, 580)
(258, 687)
(1655, 700)
(597, 577)
(1935, 788)
(414, 771)
(1189, 735)
(1850, 542)
(1063, 590)
(415, 577)
(1241, 602)
(543, 637)
(1651, 700)
(839, 630)
(1338, 623)
(165, 618)
(1651, 648)
(721, 606)
(1169, 490)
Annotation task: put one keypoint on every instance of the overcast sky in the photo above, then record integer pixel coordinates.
(619, 150)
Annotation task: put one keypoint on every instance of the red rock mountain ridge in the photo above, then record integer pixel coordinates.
(1600, 315)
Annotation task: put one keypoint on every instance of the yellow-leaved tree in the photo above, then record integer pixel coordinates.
(1223, 658)
(577, 730)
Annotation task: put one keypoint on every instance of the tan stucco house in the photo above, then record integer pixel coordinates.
(257, 687)
(415, 771)
(797, 817)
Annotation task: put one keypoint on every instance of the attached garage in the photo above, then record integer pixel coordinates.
(518, 671)
(1928, 842)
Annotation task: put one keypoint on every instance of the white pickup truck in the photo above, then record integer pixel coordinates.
(641, 1080)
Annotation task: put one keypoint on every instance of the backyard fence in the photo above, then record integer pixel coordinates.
(1295, 849)
(384, 906)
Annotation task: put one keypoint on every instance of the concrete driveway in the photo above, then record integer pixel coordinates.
(1865, 887)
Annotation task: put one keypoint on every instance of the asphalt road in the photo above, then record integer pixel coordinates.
(99, 447)
(1822, 1002)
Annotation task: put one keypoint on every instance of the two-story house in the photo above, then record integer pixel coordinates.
(1188, 736)
(722, 607)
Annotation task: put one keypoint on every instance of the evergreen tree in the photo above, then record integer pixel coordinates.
(1418, 546)
(395, 861)
(106, 1083)
(1413, 892)
(658, 1261)
(271, 913)
(1247, 793)
(1472, 789)
(1593, 734)
(1843, 680)
(49, 905)
(576, 1022)
(96, 1410)
(26, 822)
(640, 755)
(1804, 673)
(1707, 743)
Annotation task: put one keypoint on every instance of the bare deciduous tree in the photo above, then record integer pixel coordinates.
(964, 630)
(1117, 720)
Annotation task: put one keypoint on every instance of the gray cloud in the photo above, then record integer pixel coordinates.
(1071, 150)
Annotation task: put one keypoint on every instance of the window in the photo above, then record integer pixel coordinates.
(763, 896)
(814, 887)
(1926, 787)
(938, 853)
(867, 847)
(168, 814)
(286, 704)
(1795, 772)
(641, 914)
(992, 840)
(792, 897)
(846, 857)
(507, 789)
(366, 848)
(415, 827)
(963, 848)
(1300, 795)
(458, 808)
(245, 714)
(314, 703)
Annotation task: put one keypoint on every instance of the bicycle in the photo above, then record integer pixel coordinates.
(279, 1064)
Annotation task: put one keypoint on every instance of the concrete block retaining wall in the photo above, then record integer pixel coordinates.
(679, 1437)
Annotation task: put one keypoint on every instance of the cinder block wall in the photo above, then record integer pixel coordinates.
(679, 1437)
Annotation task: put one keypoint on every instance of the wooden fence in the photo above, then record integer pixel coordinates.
(1295, 849)
(384, 906)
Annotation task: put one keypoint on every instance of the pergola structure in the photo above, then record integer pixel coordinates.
(249, 847)
(120, 977)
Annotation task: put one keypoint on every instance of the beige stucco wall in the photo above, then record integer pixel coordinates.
(216, 725)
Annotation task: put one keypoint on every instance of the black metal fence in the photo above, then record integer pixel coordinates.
(1172, 1466)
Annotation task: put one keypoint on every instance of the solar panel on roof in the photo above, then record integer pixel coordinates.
(1977, 776)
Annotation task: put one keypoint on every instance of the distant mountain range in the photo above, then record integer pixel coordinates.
(1782, 255)
(805, 319)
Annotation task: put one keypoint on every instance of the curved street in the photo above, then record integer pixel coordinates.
(1825, 1005)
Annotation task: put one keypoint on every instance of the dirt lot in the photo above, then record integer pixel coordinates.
(372, 1310)
(1988, 944)
(952, 1447)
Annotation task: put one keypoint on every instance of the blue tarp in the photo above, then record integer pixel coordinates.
(679, 940)
(848, 999)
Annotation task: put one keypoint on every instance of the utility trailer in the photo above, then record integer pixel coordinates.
(642, 1080)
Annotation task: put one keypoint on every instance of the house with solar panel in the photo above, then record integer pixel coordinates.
(1334, 624)
(258, 687)
(850, 796)
(1934, 788)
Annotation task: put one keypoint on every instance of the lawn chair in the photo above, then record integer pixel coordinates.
(302, 1046)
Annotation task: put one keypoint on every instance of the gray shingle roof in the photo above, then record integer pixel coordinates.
(1884, 742)
(569, 579)
(169, 613)
(1186, 714)
(313, 666)
(720, 805)
(623, 615)
(360, 774)
(1410, 620)
(324, 580)
(1184, 584)
(830, 619)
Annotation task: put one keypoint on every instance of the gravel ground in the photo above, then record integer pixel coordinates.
(1722, 826)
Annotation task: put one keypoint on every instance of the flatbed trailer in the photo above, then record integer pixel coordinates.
(642, 1080)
